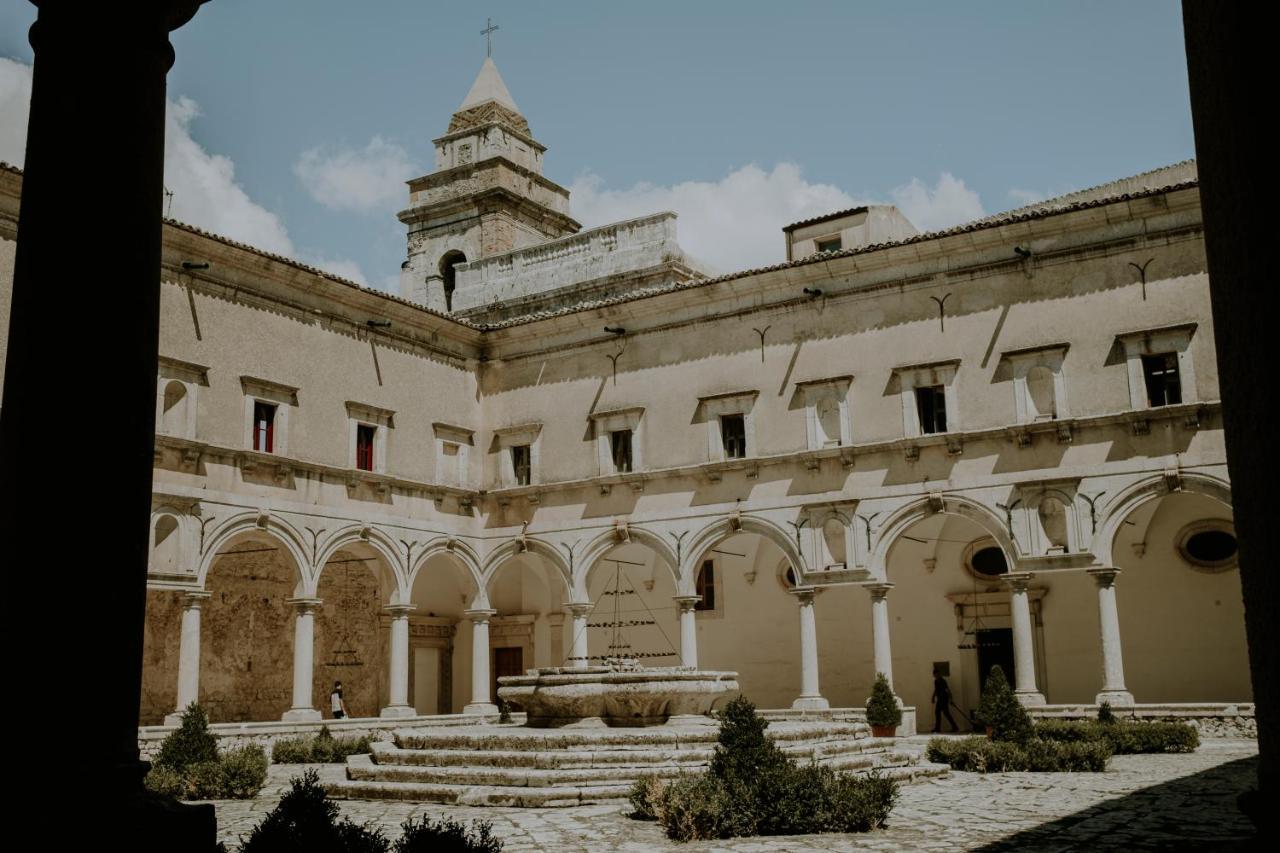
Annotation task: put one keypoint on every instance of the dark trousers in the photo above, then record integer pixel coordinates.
(940, 710)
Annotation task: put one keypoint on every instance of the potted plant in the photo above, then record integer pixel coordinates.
(883, 713)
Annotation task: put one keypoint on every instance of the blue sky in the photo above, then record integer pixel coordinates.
(294, 122)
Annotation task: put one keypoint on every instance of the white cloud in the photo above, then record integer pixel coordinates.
(15, 95)
(1022, 197)
(736, 222)
(361, 181)
(731, 224)
(205, 192)
(948, 203)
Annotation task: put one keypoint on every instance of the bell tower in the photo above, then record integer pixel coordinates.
(486, 196)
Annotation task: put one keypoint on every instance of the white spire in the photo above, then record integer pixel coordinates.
(488, 87)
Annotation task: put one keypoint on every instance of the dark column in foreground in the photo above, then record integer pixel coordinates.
(1231, 97)
(76, 428)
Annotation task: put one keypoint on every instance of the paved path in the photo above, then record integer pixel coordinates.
(1142, 802)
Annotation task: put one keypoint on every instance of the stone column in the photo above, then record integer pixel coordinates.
(810, 698)
(304, 636)
(188, 654)
(555, 621)
(1113, 689)
(881, 649)
(398, 677)
(688, 629)
(1024, 655)
(481, 702)
(578, 654)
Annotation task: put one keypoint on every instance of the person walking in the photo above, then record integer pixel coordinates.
(942, 703)
(339, 707)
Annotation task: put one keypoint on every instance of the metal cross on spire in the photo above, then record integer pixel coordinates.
(487, 32)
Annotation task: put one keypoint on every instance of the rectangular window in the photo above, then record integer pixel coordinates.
(706, 586)
(620, 444)
(1164, 386)
(364, 446)
(931, 403)
(828, 244)
(733, 432)
(264, 427)
(521, 464)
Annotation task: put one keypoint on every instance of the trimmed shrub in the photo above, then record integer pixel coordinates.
(446, 836)
(244, 772)
(1124, 738)
(192, 743)
(882, 708)
(1105, 714)
(753, 788)
(983, 755)
(321, 748)
(204, 781)
(646, 797)
(166, 781)
(1000, 709)
(306, 821)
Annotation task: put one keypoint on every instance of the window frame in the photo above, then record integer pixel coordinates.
(911, 377)
(1021, 362)
(612, 421)
(817, 391)
(506, 438)
(713, 408)
(283, 397)
(270, 426)
(463, 439)
(1175, 339)
(837, 238)
(191, 377)
(381, 421)
(700, 607)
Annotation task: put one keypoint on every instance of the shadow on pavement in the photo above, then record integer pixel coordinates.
(1197, 812)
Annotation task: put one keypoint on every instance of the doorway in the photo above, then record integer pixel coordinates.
(995, 648)
(507, 660)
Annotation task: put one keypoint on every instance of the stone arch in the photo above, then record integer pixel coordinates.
(376, 540)
(722, 528)
(607, 541)
(903, 519)
(464, 556)
(548, 552)
(1147, 489)
(448, 276)
(259, 524)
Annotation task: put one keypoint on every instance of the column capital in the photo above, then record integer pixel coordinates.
(1018, 581)
(479, 614)
(1104, 575)
(687, 602)
(192, 599)
(878, 589)
(579, 608)
(399, 610)
(304, 605)
(804, 594)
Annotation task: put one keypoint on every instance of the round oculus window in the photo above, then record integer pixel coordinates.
(986, 560)
(1209, 545)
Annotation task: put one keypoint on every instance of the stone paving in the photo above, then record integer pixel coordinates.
(1143, 802)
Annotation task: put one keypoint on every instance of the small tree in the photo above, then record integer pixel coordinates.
(882, 708)
(1105, 714)
(744, 752)
(192, 743)
(1001, 710)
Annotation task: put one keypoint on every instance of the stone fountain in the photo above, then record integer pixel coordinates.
(619, 694)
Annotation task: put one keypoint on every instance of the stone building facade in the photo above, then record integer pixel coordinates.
(894, 452)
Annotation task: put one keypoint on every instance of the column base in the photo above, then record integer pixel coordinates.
(399, 711)
(480, 708)
(1030, 698)
(1116, 698)
(301, 715)
(810, 703)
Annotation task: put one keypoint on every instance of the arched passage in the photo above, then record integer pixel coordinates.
(632, 588)
(448, 275)
(527, 591)
(442, 586)
(1181, 611)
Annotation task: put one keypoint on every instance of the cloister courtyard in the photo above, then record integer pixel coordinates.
(1142, 802)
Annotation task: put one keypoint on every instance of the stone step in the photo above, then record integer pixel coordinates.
(668, 737)
(548, 760)
(477, 795)
(362, 769)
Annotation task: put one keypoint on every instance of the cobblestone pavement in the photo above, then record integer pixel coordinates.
(1141, 802)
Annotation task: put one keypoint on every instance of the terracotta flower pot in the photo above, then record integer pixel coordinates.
(990, 731)
(883, 731)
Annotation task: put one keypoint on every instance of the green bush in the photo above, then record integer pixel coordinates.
(446, 836)
(166, 781)
(192, 743)
(753, 788)
(1105, 714)
(1124, 738)
(244, 772)
(882, 708)
(646, 797)
(321, 748)
(204, 781)
(1000, 709)
(306, 821)
(983, 755)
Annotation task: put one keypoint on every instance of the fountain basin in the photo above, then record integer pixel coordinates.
(555, 697)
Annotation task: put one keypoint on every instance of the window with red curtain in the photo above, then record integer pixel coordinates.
(264, 427)
(364, 446)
